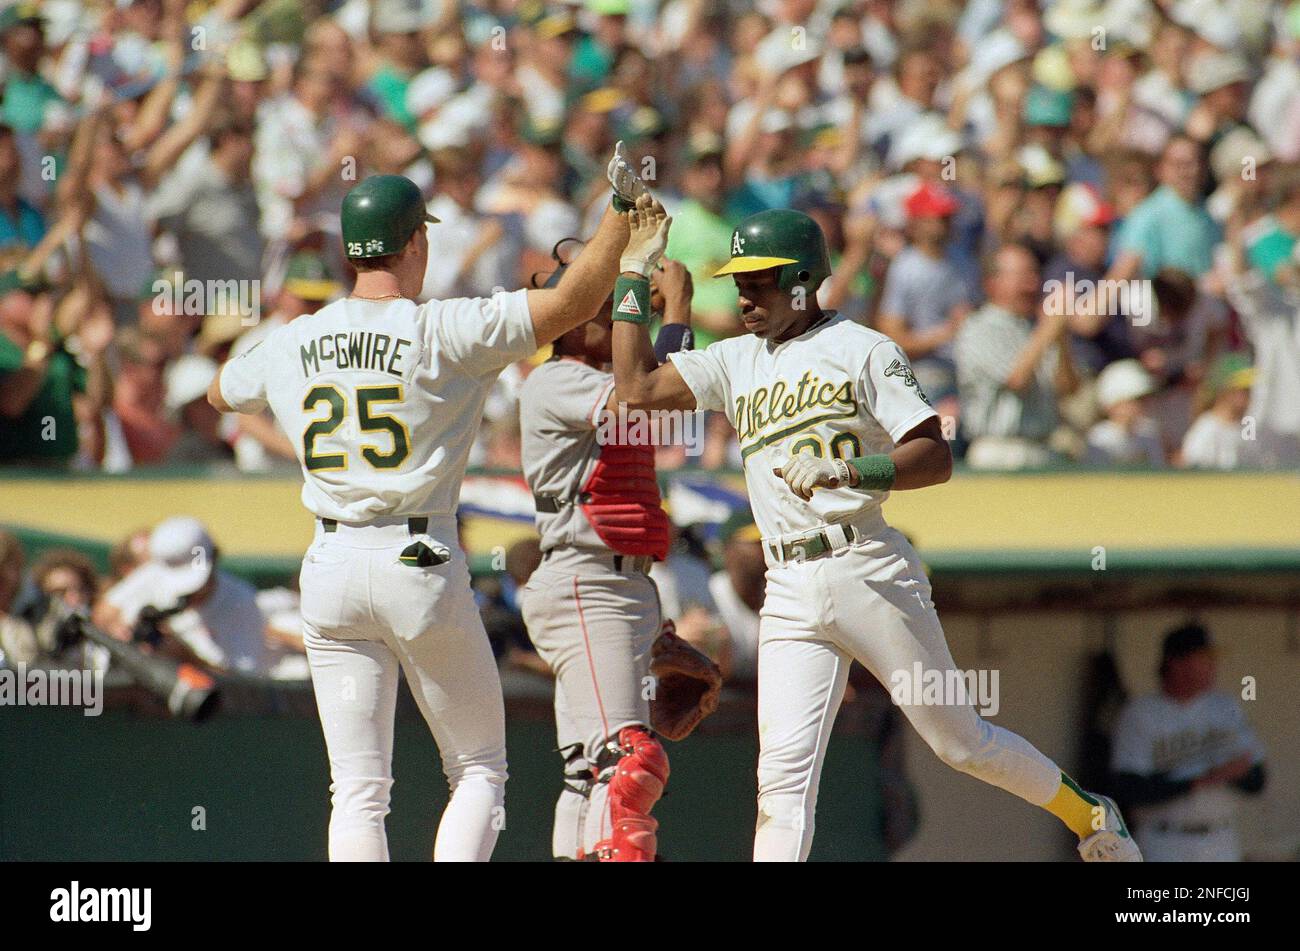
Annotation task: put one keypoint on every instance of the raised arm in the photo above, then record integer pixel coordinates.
(1024, 369)
(169, 146)
(72, 184)
(639, 381)
(585, 284)
(588, 280)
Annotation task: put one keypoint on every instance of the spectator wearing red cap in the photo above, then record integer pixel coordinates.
(1082, 223)
(924, 299)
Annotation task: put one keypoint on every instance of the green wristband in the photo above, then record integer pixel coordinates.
(874, 472)
(621, 204)
(632, 299)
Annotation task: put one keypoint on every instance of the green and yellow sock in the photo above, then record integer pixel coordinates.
(1074, 807)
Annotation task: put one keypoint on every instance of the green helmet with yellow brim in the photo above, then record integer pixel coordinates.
(784, 239)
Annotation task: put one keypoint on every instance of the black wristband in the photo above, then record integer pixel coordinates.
(671, 338)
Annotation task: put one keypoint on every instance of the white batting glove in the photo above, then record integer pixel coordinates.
(649, 225)
(806, 472)
(623, 178)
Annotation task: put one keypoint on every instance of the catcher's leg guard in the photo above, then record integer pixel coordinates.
(571, 807)
(636, 781)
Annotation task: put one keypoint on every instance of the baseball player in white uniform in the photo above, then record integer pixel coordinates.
(830, 418)
(591, 609)
(382, 397)
(1184, 756)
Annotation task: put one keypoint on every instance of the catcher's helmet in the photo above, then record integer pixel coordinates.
(787, 240)
(380, 214)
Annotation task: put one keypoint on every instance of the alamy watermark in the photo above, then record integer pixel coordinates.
(21, 686)
(78, 903)
(1133, 299)
(945, 688)
(195, 298)
(626, 426)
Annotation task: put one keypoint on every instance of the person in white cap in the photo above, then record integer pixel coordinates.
(1222, 82)
(1241, 162)
(787, 96)
(218, 623)
(1128, 435)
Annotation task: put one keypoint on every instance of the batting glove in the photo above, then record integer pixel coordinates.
(806, 472)
(648, 236)
(627, 185)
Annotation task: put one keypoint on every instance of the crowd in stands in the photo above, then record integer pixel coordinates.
(1079, 218)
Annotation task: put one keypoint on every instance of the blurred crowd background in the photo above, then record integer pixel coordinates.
(987, 173)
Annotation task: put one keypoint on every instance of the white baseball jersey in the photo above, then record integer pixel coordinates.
(381, 399)
(1182, 740)
(838, 389)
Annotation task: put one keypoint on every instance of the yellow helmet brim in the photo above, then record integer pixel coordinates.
(745, 265)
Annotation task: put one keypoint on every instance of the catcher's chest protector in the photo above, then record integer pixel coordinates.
(621, 501)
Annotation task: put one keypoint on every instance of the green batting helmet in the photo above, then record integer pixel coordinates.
(787, 240)
(380, 214)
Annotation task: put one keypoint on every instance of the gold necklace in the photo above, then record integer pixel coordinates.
(380, 297)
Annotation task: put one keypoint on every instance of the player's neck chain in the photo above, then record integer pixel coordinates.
(377, 297)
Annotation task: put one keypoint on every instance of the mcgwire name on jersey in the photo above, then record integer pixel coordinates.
(766, 407)
(357, 350)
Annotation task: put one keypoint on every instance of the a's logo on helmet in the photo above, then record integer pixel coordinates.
(737, 245)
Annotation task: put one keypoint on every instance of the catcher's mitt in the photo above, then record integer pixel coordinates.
(687, 685)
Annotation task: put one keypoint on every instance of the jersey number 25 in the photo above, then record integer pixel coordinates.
(370, 422)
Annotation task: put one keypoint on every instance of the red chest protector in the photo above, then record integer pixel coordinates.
(621, 501)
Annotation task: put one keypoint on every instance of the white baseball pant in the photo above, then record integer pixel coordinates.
(365, 616)
(870, 602)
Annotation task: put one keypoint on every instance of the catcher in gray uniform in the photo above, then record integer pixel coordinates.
(591, 609)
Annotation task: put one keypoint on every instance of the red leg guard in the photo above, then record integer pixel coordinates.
(635, 787)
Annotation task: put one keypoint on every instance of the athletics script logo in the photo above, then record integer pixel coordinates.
(899, 368)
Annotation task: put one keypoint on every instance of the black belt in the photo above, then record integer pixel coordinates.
(416, 524)
(550, 504)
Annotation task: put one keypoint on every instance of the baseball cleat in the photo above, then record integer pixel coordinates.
(1112, 842)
